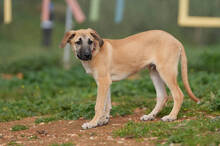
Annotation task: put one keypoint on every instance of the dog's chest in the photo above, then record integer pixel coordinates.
(87, 67)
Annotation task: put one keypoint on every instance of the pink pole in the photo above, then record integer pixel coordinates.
(76, 10)
(45, 10)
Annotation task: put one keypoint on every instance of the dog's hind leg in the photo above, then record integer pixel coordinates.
(161, 94)
(169, 75)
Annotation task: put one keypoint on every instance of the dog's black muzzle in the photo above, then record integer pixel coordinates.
(84, 55)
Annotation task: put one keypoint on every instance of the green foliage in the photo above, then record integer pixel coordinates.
(121, 110)
(207, 59)
(75, 111)
(18, 128)
(31, 63)
(202, 131)
(215, 104)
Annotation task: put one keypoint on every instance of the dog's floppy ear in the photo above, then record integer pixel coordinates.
(67, 37)
(97, 37)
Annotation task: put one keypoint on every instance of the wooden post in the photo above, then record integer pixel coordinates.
(69, 23)
(7, 11)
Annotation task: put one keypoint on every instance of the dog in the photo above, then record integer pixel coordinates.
(110, 60)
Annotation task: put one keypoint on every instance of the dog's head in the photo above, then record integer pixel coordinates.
(85, 43)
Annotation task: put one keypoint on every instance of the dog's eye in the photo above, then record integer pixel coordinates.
(90, 42)
(79, 42)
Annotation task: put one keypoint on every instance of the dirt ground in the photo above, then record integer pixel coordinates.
(63, 131)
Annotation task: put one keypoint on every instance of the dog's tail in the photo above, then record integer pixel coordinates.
(185, 76)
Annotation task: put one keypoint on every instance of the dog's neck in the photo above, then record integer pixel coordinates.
(87, 66)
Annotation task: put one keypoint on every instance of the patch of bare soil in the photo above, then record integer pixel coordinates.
(64, 131)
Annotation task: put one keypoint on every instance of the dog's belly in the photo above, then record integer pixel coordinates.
(122, 71)
(118, 76)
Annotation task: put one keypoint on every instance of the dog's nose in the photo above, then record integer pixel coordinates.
(85, 54)
(88, 55)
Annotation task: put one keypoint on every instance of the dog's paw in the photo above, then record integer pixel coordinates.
(103, 121)
(91, 124)
(168, 118)
(147, 117)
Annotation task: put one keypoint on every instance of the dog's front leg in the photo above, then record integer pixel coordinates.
(101, 112)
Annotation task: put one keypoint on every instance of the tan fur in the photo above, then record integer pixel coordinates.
(117, 59)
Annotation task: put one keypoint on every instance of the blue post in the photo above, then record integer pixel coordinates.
(119, 11)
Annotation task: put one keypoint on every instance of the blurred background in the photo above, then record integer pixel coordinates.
(32, 74)
(23, 36)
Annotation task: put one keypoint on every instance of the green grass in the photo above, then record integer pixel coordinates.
(202, 131)
(71, 94)
(13, 143)
(33, 137)
(18, 127)
(45, 119)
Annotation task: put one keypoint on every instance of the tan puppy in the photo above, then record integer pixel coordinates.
(113, 60)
